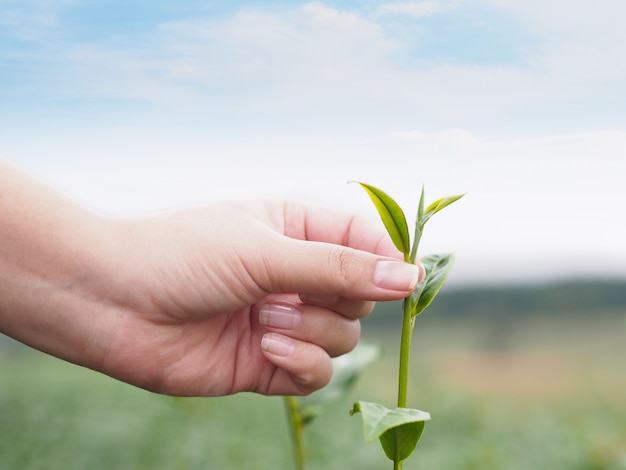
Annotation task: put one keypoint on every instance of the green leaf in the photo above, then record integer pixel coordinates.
(398, 430)
(419, 228)
(392, 216)
(437, 269)
(400, 442)
(420, 208)
(436, 206)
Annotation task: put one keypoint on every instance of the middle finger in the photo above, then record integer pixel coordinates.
(315, 324)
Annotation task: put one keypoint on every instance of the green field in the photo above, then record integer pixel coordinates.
(541, 392)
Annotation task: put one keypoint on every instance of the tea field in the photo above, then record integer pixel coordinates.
(542, 392)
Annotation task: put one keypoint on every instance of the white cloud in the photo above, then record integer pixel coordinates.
(253, 58)
(413, 9)
(332, 62)
(582, 38)
(310, 47)
(32, 21)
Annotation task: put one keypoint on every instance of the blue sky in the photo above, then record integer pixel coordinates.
(133, 107)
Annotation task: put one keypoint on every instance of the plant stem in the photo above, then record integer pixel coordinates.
(296, 426)
(405, 352)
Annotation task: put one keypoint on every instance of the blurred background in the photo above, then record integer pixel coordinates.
(133, 108)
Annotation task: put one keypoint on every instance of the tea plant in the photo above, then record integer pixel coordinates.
(301, 411)
(400, 429)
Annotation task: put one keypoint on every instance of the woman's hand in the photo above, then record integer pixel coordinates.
(244, 296)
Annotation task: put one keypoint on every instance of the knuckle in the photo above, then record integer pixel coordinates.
(349, 339)
(347, 267)
(364, 309)
(317, 376)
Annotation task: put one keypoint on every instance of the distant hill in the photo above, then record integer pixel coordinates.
(572, 296)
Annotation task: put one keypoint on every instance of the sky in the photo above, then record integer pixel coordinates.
(138, 107)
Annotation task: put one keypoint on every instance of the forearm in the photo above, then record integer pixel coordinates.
(49, 260)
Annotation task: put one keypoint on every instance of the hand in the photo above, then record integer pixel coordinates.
(248, 296)
(253, 296)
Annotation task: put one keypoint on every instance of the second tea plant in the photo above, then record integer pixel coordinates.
(301, 411)
(400, 428)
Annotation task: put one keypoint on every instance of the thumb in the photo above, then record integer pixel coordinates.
(307, 267)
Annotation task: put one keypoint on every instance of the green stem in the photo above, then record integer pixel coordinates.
(296, 426)
(405, 352)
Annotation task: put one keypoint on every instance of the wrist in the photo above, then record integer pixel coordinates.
(51, 257)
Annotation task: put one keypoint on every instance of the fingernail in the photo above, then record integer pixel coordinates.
(277, 344)
(280, 315)
(396, 275)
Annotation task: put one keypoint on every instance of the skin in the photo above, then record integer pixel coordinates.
(215, 300)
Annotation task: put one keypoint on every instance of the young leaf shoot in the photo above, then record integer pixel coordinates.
(400, 429)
